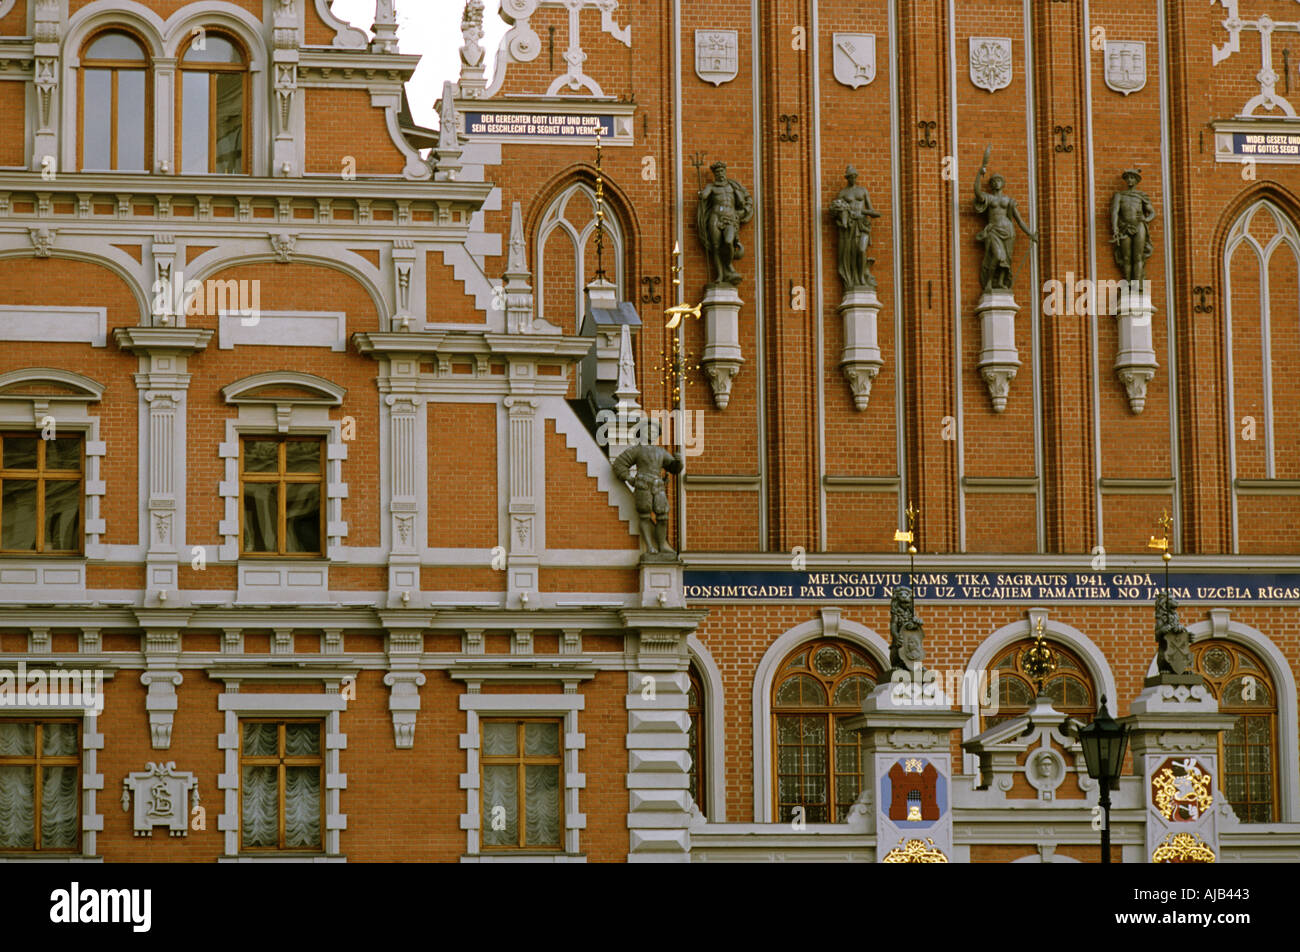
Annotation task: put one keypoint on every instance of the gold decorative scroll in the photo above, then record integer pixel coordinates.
(915, 851)
(1167, 794)
(1181, 848)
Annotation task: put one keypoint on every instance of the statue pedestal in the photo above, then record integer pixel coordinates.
(722, 356)
(1174, 736)
(1135, 361)
(907, 794)
(661, 582)
(999, 359)
(860, 359)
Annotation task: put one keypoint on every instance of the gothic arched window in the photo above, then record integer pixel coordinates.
(566, 254)
(1069, 686)
(1248, 749)
(1262, 330)
(819, 762)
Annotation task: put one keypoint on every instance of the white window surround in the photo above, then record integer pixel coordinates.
(71, 414)
(163, 41)
(715, 735)
(326, 706)
(477, 706)
(1220, 626)
(308, 414)
(555, 219)
(1103, 680)
(92, 780)
(828, 625)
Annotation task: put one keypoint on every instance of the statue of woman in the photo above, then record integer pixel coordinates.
(998, 234)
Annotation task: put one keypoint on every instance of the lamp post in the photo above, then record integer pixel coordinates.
(1104, 742)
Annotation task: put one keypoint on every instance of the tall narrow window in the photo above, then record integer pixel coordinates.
(212, 107)
(283, 488)
(40, 494)
(522, 784)
(40, 786)
(1248, 749)
(115, 104)
(1069, 687)
(695, 708)
(819, 761)
(281, 785)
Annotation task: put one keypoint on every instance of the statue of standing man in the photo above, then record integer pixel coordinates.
(852, 212)
(1130, 211)
(998, 234)
(724, 206)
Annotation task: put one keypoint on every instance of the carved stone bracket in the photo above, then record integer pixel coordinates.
(1135, 362)
(722, 355)
(404, 678)
(860, 359)
(999, 360)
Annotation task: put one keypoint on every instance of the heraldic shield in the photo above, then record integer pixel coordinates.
(990, 62)
(855, 58)
(717, 55)
(1126, 65)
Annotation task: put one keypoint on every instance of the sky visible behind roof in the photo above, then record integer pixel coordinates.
(431, 29)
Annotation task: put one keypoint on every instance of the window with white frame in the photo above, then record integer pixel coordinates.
(522, 780)
(40, 785)
(566, 256)
(50, 455)
(284, 486)
(283, 778)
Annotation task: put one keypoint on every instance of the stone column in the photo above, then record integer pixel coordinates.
(406, 472)
(46, 32)
(1174, 736)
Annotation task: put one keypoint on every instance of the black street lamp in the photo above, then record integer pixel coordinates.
(1104, 742)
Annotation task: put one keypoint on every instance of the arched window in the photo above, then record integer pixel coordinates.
(698, 733)
(566, 254)
(819, 761)
(212, 106)
(1247, 750)
(116, 104)
(1069, 686)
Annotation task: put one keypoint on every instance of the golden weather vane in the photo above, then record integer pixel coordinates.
(1166, 523)
(908, 535)
(678, 360)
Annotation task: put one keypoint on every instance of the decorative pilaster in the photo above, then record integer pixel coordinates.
(999, 359)
(47, 29)
(722, 355)
(284, 68)
(522, 560)
(162, 381)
